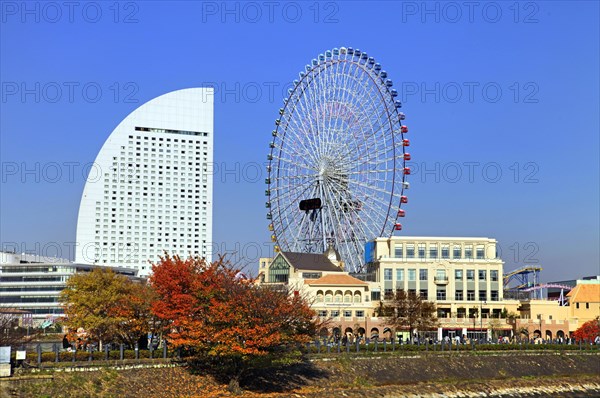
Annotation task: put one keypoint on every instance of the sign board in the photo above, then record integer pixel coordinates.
(21, 355)
(4, 354)
(27, 320)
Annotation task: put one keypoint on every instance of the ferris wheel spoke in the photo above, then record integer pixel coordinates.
(305, 125)
(360, 234)
(289, 210)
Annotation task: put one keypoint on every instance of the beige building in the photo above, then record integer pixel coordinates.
(462, 276)
(549, 319)
(584, 300)
(340, 300)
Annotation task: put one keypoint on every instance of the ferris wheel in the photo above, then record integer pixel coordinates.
(337, 161)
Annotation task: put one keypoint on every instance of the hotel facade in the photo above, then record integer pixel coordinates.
(151, 186)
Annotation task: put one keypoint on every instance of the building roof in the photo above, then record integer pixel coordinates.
(343, 279)
(585, 293)
(310, 261)
(13, 311)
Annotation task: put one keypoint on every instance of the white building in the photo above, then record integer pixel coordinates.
(151, 186)
(32, 284)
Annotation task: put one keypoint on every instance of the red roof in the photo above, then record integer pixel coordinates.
(333, 279)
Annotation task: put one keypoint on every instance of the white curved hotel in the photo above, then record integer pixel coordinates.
(150, 190)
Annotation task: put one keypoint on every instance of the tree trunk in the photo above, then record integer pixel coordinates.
(234, 386)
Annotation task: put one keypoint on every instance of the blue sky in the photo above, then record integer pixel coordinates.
(502, 100)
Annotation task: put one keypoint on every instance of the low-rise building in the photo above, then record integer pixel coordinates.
(463, 276)
(33, 284)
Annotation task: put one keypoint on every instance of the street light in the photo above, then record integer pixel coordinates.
(481, 315)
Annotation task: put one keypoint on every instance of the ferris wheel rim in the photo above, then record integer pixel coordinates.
(392, 120)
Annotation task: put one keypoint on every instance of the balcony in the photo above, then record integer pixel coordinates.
(440, 280)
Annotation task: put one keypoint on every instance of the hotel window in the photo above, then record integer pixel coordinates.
(445, 251)
(456, 252)
(328, 297)
(388, 294)
(360, 313)
(494, 275)
(421, 250)
(398, 251)
(471, 295)
(469, 252)
(441, 294)
(433, 251)
(494, 295)
(470, 274)
(412, 275)
(375, 295)
(480, 252)
(323, 313)
(335, 313)
(387, 274)
(423, 294)
(482, 274)
(410, 251)
(440, 275)
(422, 274)
(482, 295)
(458, 295)
(400, 274)
(347, 313)
(458, 275)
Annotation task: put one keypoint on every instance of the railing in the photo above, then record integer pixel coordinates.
(440, 280)
(362, 345)
(469, 321)
(43, 352)
(323, 346)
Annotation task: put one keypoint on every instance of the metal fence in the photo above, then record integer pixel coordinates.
(418, 346)
(35, 354)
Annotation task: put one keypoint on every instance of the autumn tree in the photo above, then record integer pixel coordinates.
(407, 310)
(134, 309)
(215, 312)
(109, 306)
(588, 331)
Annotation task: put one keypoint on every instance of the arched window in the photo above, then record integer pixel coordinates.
(319, 296)
(338, 296)
(347, 296)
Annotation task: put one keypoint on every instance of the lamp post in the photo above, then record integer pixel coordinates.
(481, 315)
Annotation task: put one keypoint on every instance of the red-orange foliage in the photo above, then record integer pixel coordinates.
(588, 331)
(211, 309)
